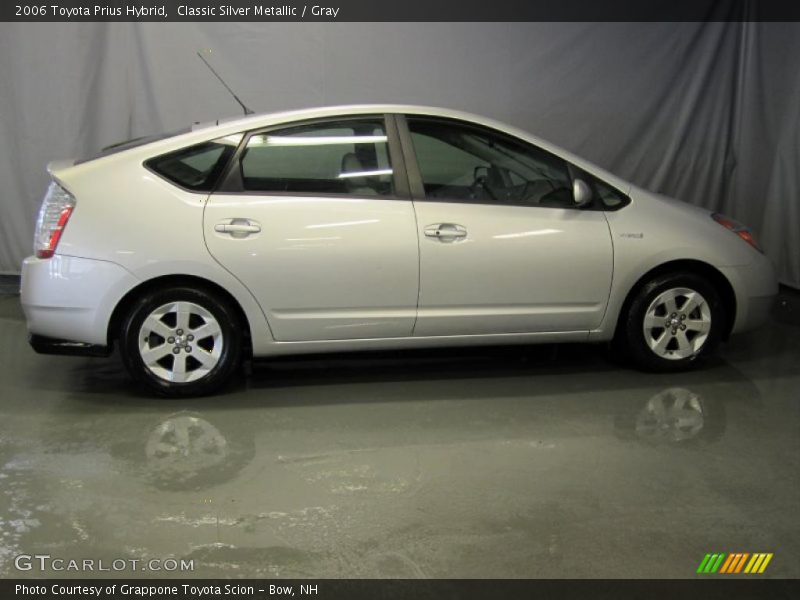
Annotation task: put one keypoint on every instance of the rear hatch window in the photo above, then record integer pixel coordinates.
(132, 143)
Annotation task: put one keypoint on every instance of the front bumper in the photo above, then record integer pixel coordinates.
(756, 288)
(70, 299)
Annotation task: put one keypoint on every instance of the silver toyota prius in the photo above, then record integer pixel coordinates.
(372, 227)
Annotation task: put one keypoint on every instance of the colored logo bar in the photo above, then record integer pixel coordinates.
(734, 563)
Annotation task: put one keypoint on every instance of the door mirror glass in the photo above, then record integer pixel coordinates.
(581, 192)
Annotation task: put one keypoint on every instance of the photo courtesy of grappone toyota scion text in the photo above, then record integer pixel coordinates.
(372, 227)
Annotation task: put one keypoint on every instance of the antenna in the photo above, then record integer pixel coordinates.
(246, 110)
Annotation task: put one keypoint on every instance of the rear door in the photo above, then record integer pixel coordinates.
(503, 248)
(315, 219)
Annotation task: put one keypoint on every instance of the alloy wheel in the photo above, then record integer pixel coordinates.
(677, 323)
(180, 342)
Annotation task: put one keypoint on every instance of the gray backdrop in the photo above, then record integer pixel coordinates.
(707, 112)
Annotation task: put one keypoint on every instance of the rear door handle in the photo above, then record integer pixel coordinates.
(445, 232)
(238, 228)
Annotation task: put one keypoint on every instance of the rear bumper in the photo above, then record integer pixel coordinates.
(756, 288)
(46, 345)
(71, 299)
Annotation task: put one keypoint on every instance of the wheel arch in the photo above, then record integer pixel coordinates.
(123, 306)
(698, 267)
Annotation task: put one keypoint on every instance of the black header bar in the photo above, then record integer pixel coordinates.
(399, 10)
(708, 588)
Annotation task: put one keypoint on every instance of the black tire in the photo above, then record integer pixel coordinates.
(229, 338)
(631, 337)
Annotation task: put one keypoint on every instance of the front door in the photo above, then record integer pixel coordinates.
(503, 248)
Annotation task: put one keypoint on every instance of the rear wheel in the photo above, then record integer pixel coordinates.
(672, 321)
(181, 341)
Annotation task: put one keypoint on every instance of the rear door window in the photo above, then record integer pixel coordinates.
(341, 157)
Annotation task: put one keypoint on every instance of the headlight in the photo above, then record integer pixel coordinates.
(741, 230)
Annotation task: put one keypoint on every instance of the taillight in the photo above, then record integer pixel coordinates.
(741, 230)
(57, 207)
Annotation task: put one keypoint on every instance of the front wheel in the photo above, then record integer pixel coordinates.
(672, 321)
(181, 341)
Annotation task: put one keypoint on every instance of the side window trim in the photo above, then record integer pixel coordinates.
(415, 184)
(397, 158)
(231, 180)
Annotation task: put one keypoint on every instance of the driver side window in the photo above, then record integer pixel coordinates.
(462, 162)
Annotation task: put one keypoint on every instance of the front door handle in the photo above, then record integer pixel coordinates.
(446, 232)
(238, 228)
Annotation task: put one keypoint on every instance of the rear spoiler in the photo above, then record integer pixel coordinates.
(56, 166)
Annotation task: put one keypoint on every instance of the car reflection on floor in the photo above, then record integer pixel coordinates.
(494, 462)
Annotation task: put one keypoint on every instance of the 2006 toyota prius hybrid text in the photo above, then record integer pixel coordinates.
(371, 227)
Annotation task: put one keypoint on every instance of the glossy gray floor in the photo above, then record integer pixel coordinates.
(549, 462)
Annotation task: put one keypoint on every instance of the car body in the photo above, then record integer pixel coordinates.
(373, 227)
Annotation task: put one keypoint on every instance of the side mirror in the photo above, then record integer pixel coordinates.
(581, 192)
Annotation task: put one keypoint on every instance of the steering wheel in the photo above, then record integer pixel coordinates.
(479, 183)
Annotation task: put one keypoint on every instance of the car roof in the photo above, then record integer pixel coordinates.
(266, 119)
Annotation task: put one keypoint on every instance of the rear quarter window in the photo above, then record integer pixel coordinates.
(196, 167)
